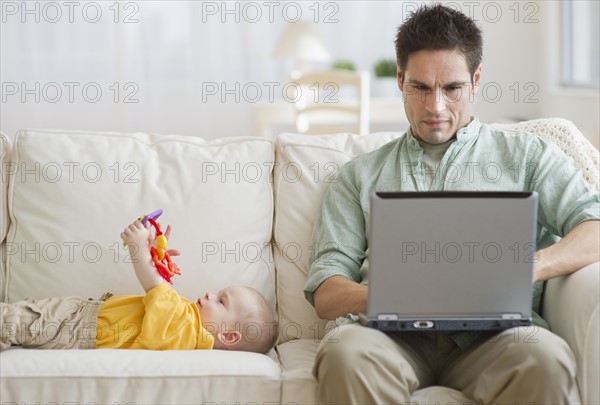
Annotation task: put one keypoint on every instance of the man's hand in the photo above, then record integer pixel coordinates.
(577, 249)
(340, 296)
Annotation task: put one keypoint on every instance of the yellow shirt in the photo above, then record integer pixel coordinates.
(160, 320)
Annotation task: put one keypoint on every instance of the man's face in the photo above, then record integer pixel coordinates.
(438, 93)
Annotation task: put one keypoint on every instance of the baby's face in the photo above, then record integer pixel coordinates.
(225, 308)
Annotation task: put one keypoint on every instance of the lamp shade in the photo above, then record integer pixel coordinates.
(301, 41)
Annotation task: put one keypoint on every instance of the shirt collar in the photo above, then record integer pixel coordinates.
(467, 133)
(463, 135)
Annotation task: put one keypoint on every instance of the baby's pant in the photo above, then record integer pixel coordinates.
(50, 323)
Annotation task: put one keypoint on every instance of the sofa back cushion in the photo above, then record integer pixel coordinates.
(72, 193)
(304, 167)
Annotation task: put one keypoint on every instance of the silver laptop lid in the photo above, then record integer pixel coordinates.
(451, 255)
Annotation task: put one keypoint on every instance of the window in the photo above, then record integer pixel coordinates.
(581, 49)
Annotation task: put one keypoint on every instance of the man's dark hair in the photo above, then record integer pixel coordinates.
(439, 28)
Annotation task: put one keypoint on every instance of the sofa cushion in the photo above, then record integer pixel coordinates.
(140, 376)
(72, 193)
(304, 167)
(298, 385)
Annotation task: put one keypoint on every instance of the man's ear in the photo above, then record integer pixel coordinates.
(399, 77)
(477, 78)
(229, 338)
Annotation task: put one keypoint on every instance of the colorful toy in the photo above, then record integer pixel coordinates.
(154, 215)
(160, 257)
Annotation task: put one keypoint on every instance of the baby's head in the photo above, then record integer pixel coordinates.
(239, 318)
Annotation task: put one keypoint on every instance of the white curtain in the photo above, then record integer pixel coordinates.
(165, 66)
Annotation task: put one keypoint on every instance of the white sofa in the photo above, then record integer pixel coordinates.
(242, 211)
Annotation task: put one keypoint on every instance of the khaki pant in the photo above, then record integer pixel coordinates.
(51, 323)
(359, 365)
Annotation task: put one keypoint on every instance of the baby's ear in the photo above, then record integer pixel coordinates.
(229, 338)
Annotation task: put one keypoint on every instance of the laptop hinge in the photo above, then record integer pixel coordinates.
(387, 317)
(511, 316)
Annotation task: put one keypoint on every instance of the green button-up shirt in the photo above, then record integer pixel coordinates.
(482, 158)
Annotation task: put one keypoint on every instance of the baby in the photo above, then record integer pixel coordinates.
(236, 318)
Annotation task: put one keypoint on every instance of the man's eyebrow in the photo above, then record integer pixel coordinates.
(413, 81)
(450, 84)
(456, 83)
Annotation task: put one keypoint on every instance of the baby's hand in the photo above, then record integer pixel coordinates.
(136, 234)
(171, 252)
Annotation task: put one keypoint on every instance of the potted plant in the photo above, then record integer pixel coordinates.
(385, 84)
(343, 65)
(385, 68)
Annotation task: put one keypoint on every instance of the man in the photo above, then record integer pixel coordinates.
(439, 70)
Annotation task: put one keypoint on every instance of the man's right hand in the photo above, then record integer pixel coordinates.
(338, 296)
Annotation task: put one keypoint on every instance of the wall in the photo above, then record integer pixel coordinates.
(164, 60)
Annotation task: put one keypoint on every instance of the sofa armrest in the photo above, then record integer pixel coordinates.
(572, 308)
(5, 152)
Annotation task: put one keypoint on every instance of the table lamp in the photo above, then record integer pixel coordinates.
(301, 42)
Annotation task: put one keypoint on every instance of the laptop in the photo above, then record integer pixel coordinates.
(451, 260)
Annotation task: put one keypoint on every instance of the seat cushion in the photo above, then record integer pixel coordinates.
(140, 376)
